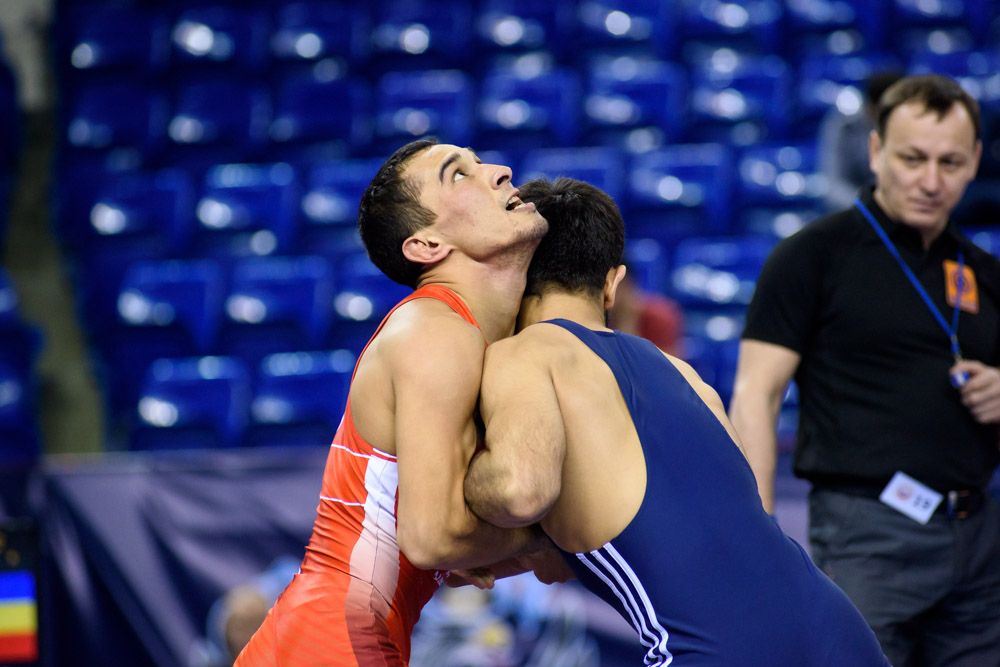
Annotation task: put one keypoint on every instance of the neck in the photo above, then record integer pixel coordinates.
(493, 296)
(552, 305)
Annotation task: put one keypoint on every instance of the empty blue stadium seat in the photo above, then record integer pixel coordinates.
(514, 26)
(364, 296)
(165, 309)
(627, 27)
(911, 43)
(718, 271)
(277, 304)
(680, 190)
(220, 36)
(192, 403)
(648, 264)
(113, 39)
(973, 15)
(121, 114)
(602, 167)
(300, 398)
(977, 71)
(329, 205)
(705, 25)
(421, 34)
(247, 209)
(635, 103)
(711, 343)
(825, 83)
(320, 112)
(217, 120)
(740, 99)
(773, 179)
(834, 27)
(313, 31)
(410, 105)
(517, 112)
(141, 211)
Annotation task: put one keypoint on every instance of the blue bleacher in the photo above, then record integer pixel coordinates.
(220, 36)
(601, 166)
(505, 26)
(706, 25)
(319, 113)
(277, 304)
(192, 403)
(680, 190)
(320, 30)
(627, 27)
(409, 105)
(111, 40)
(774, 180)
(329, 206)
(420, 34)
(719, 271)
(518, 111)
(299, 398)
(246, 210)
(834, 27)
(119, 114)
(364, 296)
(164, 309)
(635, 103)
(217, 119)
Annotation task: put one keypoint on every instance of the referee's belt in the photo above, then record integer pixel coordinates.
(956, 504)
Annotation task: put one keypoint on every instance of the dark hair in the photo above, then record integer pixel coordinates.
(390, 212)
(878, 83)
(936, 93)
(586, 236)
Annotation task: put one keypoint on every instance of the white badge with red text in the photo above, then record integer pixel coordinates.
(907, 495)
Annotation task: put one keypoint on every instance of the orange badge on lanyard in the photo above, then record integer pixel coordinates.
(961, 288)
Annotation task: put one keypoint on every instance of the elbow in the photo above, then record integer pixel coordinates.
(523, 501)
(425, 547)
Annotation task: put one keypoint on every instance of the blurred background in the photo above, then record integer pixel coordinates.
(183, 293)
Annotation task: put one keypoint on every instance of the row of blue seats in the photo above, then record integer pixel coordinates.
(426, 34)
(294, 398)
(224, 210)
(628, 102)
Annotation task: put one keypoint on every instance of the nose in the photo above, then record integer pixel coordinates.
(501, 175)
(930, 178)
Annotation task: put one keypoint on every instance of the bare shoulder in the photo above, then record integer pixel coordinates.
(536, 343)
(423, 330)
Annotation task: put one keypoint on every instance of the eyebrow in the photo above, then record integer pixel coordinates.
(447, 163)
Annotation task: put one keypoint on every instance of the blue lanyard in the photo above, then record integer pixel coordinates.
(952, 330)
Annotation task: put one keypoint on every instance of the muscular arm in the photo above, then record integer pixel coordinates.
(435, 376)
(515, 480)
(762, 375)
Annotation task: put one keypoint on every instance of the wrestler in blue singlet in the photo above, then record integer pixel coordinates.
(703, 574)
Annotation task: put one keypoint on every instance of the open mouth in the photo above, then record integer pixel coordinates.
(514, 203)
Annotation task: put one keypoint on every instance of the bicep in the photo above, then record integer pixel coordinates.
(764, 369)
(435, 387)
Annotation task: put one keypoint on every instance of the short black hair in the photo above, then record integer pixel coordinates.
(390, 212)
(586, 236)
(935, 92)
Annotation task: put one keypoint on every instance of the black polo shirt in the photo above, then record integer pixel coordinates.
(873, 380)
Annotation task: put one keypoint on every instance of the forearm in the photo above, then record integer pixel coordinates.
(755, 418)
(500, 494)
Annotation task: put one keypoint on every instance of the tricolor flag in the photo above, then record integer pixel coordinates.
(18, 617)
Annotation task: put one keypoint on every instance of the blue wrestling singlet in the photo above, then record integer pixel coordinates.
(702, 573)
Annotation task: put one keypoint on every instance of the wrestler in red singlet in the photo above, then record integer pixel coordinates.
(356, 598)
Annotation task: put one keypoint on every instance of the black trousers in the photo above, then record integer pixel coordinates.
(931, 593)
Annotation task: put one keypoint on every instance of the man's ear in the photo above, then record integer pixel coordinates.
(611, 282)
(425, 248)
